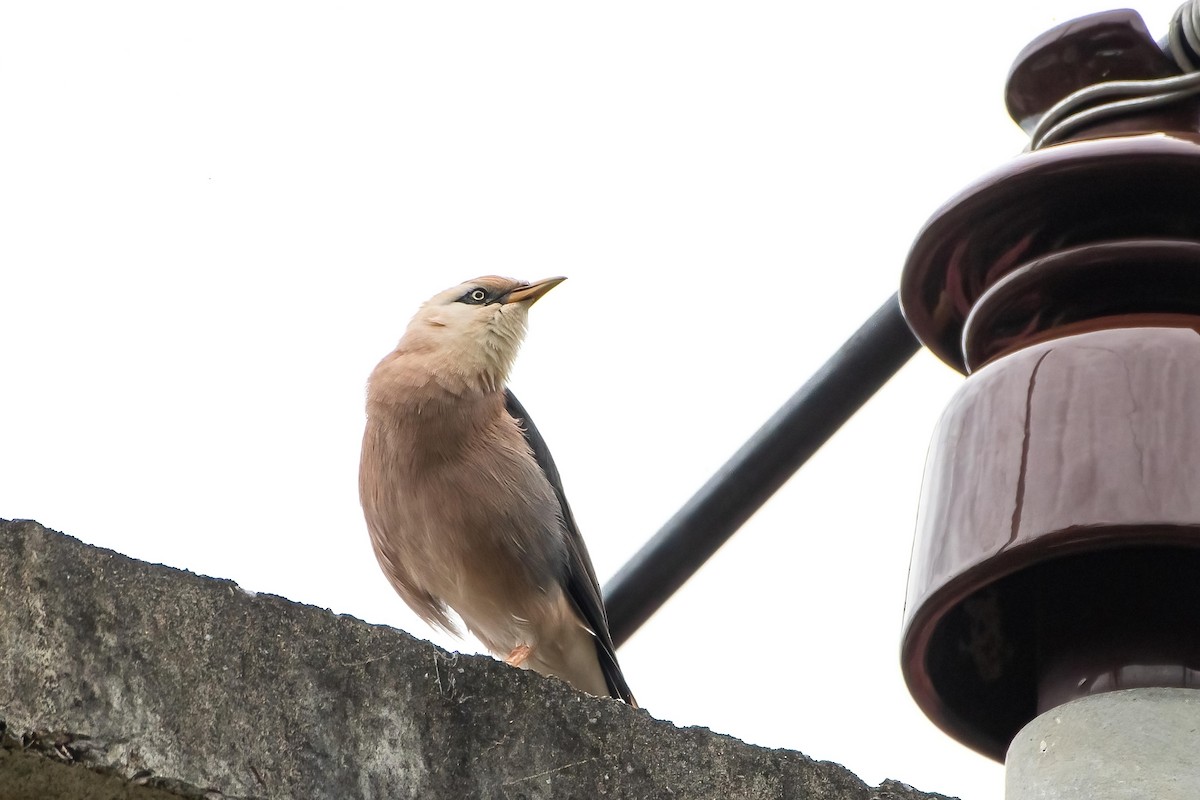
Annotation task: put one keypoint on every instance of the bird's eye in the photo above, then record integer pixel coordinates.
(474, 297)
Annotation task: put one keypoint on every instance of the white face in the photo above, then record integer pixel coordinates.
(472, 331)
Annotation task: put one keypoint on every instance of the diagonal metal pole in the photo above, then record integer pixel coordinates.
(856, 371)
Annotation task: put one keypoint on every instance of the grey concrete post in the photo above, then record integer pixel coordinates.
(1127, 745)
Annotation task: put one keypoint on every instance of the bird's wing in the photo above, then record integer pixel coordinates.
(581, 585)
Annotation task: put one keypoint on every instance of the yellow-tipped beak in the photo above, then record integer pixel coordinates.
(531, 293)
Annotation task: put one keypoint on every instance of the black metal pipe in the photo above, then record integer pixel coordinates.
(856, 371)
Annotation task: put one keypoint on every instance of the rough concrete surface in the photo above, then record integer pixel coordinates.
(122, 679)
(1123, 745)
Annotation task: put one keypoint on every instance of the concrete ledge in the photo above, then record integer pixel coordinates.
(122, 679)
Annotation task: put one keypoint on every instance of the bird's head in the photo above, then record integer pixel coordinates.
(472, 332)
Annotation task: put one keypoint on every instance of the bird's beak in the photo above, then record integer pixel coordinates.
(531, 293)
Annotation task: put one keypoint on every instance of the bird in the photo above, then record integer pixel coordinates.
(463, 502)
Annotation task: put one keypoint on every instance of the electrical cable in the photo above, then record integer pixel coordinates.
(1080, 108)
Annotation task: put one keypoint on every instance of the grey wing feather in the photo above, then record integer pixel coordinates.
(582, 587)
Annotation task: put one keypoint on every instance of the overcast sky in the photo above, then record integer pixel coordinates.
(216, 217)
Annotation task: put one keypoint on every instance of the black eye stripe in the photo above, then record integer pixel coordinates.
(475, 297)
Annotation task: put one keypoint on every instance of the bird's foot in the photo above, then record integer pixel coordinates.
(518, 656)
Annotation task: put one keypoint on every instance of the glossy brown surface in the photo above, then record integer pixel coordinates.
(1093, 284)
(1109, 46)
(1125, 177)
(1062, 197)
(1057, 551)
(1067, 449)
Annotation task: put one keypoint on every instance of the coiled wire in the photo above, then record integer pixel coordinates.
(1092, 103)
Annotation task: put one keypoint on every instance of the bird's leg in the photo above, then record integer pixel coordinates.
(518, 655)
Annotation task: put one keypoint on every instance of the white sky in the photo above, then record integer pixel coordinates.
(216, 217)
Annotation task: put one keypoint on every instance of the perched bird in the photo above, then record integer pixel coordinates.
(463, 502)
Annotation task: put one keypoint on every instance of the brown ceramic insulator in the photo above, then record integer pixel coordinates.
(1067, 196)
(1060, 506)
(1125, 618)
(1057, 550)
(1109, 46)
(1129, 177)
(1094, 286)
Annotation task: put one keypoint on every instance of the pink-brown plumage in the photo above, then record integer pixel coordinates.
(462, 513)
